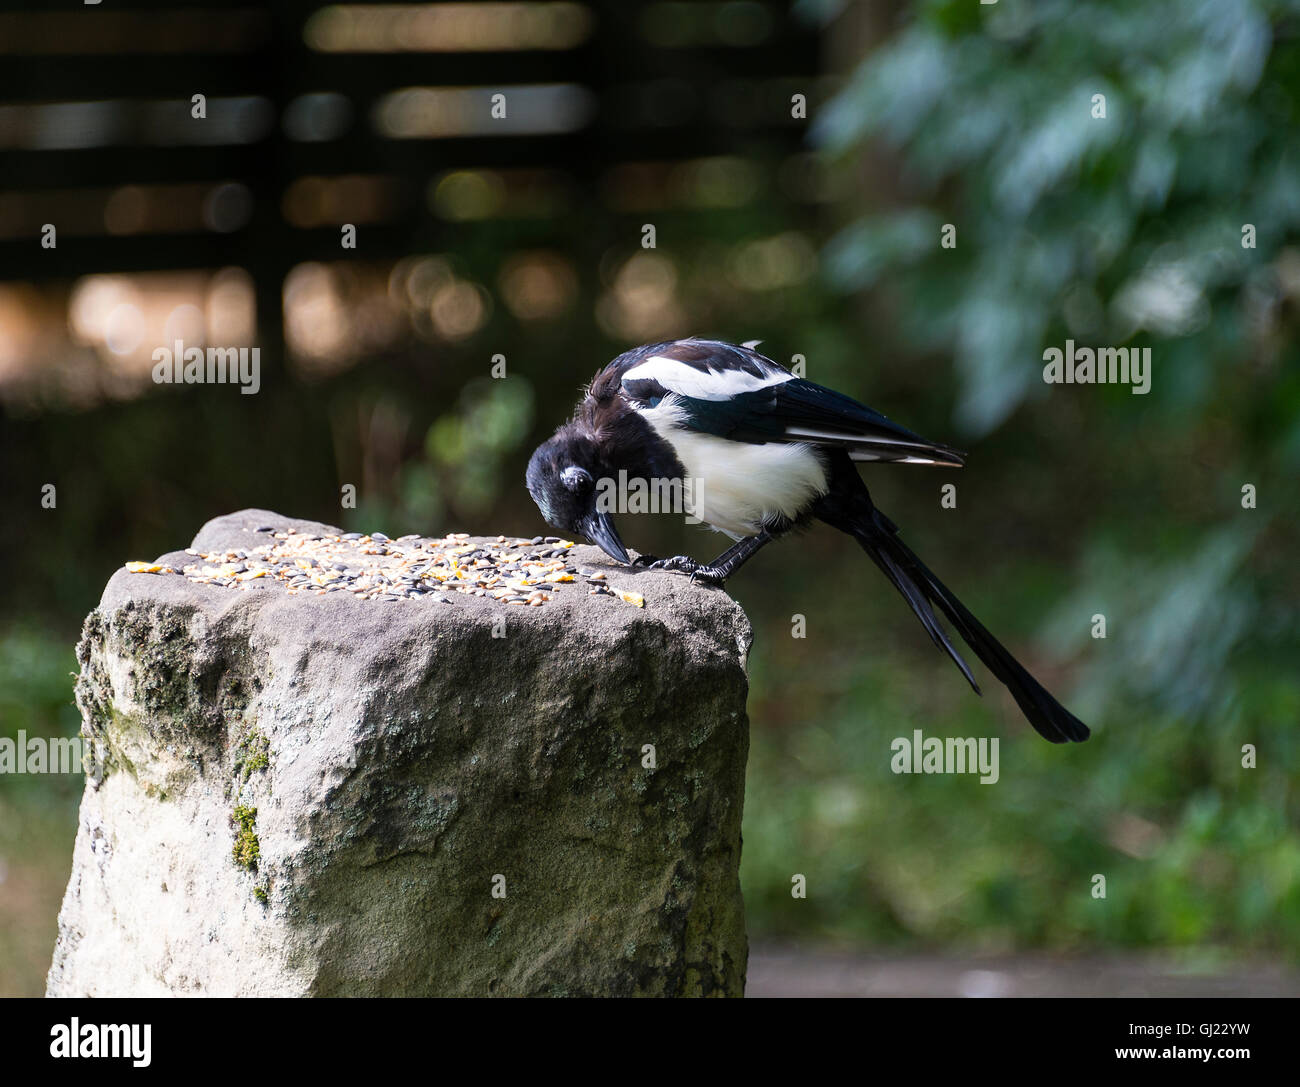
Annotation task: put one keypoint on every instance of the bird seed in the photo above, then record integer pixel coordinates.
(374, 567)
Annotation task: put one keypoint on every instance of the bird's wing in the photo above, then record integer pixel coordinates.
(738, 394)
(707, 370)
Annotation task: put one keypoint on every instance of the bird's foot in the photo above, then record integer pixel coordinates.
(684, 564)
(645, 560)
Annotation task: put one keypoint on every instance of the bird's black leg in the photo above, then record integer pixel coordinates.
(721, 568)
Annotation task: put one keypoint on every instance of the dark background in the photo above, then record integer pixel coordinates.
(819, 236)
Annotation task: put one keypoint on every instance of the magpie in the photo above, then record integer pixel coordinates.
(759, 451)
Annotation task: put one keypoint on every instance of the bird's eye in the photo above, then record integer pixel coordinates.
(576, 479)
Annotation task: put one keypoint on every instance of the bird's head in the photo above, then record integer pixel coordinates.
(564, 477)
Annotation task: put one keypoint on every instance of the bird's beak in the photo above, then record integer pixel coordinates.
(598, 527)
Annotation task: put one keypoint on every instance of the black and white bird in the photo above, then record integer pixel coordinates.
(758, 452)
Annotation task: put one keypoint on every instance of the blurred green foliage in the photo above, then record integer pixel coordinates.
(1107, 228)
(464, 461)
(38, 813)
(1125, 230)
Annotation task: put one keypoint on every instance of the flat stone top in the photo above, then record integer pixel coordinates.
(318, 576)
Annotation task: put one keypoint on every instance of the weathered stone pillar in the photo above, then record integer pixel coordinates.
(310, 788)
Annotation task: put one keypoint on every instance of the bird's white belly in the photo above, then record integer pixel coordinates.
(736, 486)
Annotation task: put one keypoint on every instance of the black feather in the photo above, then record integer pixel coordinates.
(848, 507)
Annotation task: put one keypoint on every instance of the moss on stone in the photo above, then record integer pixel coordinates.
(252, 754)
(247, 850)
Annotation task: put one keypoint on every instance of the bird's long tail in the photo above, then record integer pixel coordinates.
(878, 536)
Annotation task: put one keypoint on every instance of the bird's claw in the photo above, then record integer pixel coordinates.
(684, 564)
(647, 561)
(679, 564)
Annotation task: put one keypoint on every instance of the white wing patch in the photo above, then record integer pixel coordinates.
(866, 455)
(687, 381)
(842, 436)
(869, 451)
(736, 487)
